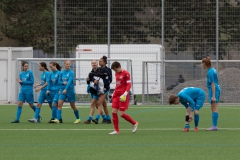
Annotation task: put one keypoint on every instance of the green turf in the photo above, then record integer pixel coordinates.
(159, 136)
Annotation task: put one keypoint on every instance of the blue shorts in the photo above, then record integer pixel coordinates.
(200, 101)
(26, 97)
(94, 96)
(43, 96)
(54, 96)
(217, 96)
(70, 95)
(106, 92)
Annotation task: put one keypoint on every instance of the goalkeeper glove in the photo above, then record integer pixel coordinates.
(123, 96)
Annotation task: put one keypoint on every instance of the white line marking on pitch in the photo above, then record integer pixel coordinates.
(147, 129)
(179, 107)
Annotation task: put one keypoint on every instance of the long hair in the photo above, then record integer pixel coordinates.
(44, 65)
(57, 65)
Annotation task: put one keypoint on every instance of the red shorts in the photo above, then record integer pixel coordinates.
(117, 104)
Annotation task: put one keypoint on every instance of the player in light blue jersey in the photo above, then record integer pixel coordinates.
(214, 91)
(45, 78)
(53, 89)
(67, 91)
(26, 80)
(193, 99)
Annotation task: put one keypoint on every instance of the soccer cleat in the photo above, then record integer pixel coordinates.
(114, 132)
(34, 120)
(212, 128)
(60, 120)
(185, 130)
(95, 121)
(77, 121)
(87, 122)
(196, 129)
(15, 121)
(135, 127)
(50, 121)
(55, 121)
(106, 121)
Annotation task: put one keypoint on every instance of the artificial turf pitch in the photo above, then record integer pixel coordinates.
(159, 135)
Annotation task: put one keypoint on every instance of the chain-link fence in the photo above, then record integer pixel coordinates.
(188, 30)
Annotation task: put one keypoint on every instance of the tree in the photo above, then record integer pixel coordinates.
(30, 22)
(191, 24)
(85, 22)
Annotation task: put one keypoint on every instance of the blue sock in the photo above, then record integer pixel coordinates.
(108, 117)
(19, 111)
(187, 126)
(34, 108)
(89, 118)
(59, 114)
(54, 112)
(214, 118)
(97, 116)
(37, 111)
(196, 120)
(76, 114)
(104, 116)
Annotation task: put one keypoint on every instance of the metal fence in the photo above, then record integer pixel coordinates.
(188, 29)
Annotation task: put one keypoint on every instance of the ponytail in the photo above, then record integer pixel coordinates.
(44, 65)
(57, 65)
(207, 61)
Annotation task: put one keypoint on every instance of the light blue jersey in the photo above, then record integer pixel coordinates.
(53, 85)
(26, 91)
(192, 97)
(212, 76)
(45, 77)
(54, 80)
(67, 76)
(27, 79)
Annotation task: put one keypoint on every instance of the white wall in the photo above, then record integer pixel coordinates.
(137, 53)
(10, 54)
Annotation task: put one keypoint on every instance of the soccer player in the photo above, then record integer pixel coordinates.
(66, 82)
(94, 96)
(214, 91)
(107, 81)
(120, 97)
(53, 88)
(193, 99)
(45, 77)
(102, 97)
(26, 80)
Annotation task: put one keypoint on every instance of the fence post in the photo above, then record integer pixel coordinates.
(55, 28)
(217, 35)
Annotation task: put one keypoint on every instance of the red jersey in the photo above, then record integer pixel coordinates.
(123, 82)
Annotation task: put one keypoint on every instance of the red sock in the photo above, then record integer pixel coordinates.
(128, 118)
(115, 121)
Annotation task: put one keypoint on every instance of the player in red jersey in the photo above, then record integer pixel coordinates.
(120, 97)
